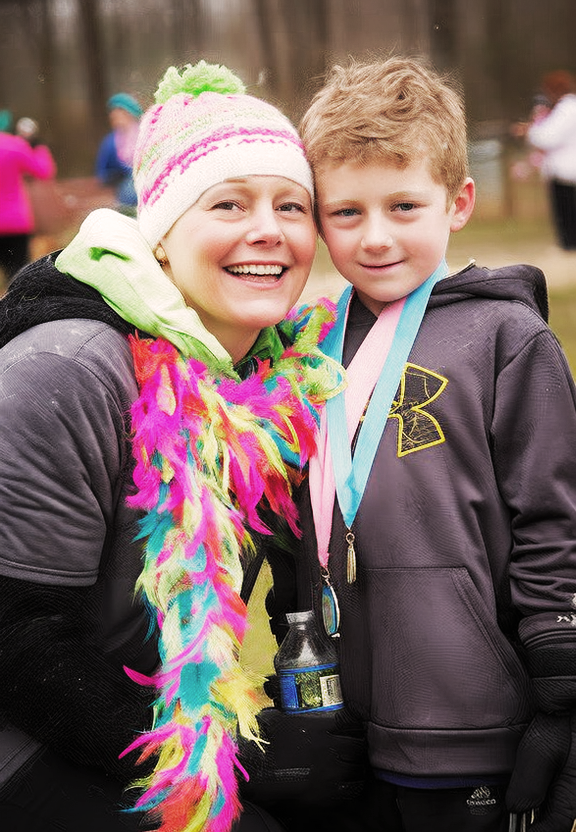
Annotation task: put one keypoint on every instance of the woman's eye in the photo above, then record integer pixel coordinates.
(225, 205)
(290, 207)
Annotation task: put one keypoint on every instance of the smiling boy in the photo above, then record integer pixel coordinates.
(440, 517)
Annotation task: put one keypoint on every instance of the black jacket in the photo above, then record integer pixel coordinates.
(69, 621)
(465, 537)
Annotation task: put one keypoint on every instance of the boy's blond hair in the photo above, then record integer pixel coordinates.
(396, 111)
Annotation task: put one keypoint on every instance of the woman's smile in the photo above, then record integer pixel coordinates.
(272, 272)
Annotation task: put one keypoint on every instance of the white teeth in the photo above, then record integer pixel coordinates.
(256, 269)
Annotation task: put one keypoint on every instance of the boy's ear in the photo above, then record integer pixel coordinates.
(463, 205)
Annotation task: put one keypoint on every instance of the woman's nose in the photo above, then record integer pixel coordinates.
(264, 227)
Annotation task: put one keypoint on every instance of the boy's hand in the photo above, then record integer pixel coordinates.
(544, 776)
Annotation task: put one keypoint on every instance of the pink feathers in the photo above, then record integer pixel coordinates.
(210, 451)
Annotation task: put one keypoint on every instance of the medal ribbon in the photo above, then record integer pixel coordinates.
(377, 366)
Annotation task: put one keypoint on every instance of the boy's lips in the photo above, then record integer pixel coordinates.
(381, 266)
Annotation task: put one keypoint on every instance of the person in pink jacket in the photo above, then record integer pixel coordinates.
(18, 159)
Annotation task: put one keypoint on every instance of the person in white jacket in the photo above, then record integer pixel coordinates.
(555, 136)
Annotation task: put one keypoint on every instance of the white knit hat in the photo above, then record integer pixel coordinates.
(203, 130)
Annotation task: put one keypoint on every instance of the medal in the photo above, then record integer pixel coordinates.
(350, 558)
(330, 608)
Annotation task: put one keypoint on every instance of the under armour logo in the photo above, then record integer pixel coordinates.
(567, 619)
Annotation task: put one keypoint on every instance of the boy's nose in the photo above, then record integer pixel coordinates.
(376, 236)
(264, 228)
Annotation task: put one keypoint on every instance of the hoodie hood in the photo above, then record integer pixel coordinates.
(522, 283)
(40, 293)
(108, 273)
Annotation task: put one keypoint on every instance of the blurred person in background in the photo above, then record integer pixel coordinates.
(21, 156)
(553, 132)
(116, 151)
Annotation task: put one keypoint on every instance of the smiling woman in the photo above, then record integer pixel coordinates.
(155, 409)
(240, 253)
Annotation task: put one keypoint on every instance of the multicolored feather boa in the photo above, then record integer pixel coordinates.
(208, 452)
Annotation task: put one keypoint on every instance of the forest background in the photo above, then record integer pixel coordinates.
(60, 60)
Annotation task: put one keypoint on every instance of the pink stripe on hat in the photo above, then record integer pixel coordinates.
(190, 142)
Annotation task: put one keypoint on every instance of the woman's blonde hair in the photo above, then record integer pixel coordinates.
(393, 111)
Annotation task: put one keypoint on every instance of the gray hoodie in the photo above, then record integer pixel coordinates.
(465, 537)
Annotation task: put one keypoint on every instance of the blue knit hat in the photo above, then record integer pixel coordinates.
(124, 101)
(5, 121)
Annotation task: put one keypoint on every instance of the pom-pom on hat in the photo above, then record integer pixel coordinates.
(202, 130)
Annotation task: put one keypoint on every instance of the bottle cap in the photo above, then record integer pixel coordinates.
(299, 617)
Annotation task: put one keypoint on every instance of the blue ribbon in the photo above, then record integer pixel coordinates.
(351, 474)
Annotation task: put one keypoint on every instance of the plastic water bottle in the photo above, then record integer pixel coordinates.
(307, 668)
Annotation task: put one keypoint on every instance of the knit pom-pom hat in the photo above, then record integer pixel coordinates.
(202, 130)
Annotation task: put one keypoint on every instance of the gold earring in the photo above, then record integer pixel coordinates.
(160, 255)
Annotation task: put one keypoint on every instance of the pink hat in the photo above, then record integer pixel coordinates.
(203, 130)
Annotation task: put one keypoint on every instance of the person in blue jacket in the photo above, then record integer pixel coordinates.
(114, 159)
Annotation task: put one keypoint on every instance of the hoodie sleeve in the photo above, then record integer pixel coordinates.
(60, 457)
(534, 435)
(67, 624)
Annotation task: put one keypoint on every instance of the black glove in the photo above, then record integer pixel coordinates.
(316, 758)
(544, 776)
(272, 689)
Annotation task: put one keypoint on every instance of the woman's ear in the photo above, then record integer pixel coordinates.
(463, 205)
(160, 255)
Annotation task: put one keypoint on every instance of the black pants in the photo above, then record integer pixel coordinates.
(14, 253)
(479, 809)
(54, 796)
(563, 201)
(359, 815)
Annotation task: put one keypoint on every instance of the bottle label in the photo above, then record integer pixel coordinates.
(315, 688)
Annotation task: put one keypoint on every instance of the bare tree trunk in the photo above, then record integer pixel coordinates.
(47, 73)
(188, 30)
(307, 25)
(497, 72)
(90, 26)
(444, 21)
(270, 52)
(415, 26)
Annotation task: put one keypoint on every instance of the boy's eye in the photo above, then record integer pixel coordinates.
(404, 206)
(346, 212)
